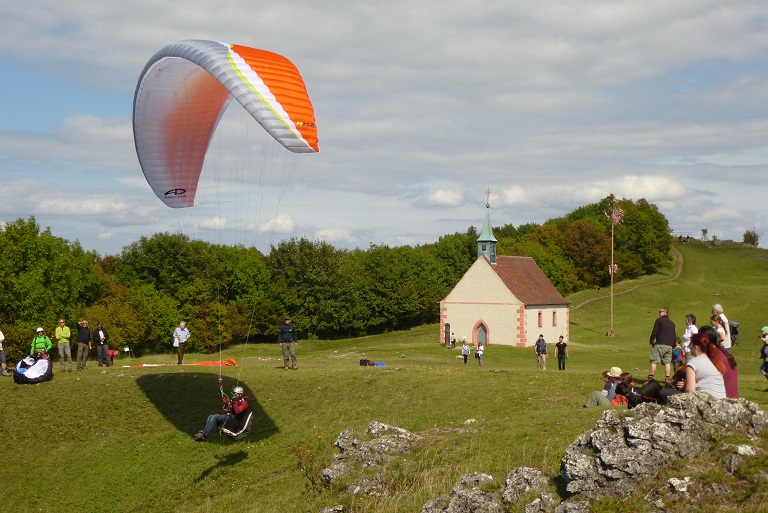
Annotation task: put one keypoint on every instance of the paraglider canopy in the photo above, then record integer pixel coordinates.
(182, 93)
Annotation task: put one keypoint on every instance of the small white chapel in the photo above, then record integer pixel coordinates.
(504, 300)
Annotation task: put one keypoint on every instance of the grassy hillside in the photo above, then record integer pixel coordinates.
(120, 439)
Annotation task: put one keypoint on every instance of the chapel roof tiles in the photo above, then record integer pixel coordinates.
(527, 281)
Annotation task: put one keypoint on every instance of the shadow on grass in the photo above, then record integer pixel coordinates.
(224, 461)
(186, 399)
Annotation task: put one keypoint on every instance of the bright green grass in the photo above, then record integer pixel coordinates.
(120, 439)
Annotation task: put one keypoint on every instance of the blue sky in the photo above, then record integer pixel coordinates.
(421, 107)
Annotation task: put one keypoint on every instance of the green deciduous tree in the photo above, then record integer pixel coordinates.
(42, 278)
(308, 283)
(456, 252)
(751, 237)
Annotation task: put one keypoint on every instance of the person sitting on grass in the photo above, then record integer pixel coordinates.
(731, 374)
(234, 418)
(704, 371)
(621, 399)
(608, 393)
(676, 387)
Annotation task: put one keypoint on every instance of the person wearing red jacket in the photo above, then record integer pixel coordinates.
(234, 416)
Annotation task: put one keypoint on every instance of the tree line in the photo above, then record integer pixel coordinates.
(233, 294)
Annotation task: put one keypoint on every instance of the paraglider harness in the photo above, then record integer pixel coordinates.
(238, 425)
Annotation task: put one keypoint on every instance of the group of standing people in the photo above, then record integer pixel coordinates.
(41, 345)
(286, 338)
(86, 339)
(561, 350)
(706, 362)
(479, 351)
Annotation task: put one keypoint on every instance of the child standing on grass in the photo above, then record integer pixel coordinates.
(678, 355)
(764, 352)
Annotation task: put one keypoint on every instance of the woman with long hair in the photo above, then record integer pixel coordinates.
(720, 327)
(731, 374)
(705, 370)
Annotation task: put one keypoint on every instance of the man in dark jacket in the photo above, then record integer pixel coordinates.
(662, 342)
(288, 342)
(83, 343)
(541, 352)
(101, 341)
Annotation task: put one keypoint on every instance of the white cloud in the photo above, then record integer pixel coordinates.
(280, 224)
(551, 106)
(513, 195)
(656, 187)
(445, 197)
(214, 223)
(332, 235)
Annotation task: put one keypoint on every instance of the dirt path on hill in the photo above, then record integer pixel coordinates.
(679, 270)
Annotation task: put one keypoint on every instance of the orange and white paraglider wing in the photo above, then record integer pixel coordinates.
(183, 92)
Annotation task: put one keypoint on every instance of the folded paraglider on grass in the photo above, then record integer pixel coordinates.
(33, 369)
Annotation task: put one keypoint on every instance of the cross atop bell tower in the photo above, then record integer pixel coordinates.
(486, 243)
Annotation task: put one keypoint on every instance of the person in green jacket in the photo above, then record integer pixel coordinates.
(41, 343)
(62, 335)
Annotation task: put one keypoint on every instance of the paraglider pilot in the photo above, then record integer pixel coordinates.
(41, 344)
(233, 416)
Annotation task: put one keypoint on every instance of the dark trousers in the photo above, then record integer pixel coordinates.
(102, 353)
(180, 352)
(561, 362)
